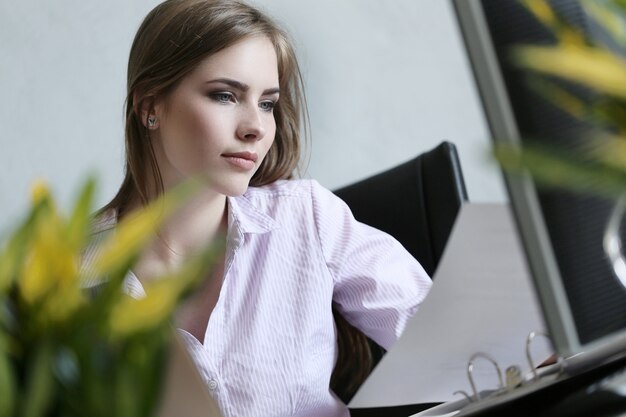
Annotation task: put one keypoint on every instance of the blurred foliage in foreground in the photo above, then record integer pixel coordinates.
(601, 68)
(69, 350)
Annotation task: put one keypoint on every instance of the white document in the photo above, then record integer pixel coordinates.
(482, 300)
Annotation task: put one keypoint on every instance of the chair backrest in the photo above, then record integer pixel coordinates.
(417, 203)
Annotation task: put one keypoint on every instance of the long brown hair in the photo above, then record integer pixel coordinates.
(172, 40)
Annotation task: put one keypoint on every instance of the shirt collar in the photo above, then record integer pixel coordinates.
(245, 217)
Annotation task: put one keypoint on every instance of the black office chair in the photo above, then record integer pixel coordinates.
(416, 202)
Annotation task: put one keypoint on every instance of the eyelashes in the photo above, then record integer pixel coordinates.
(223, 97)
(226, 97)
(267, 105)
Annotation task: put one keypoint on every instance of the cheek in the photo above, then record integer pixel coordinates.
(197, 128)
(183, 141)
(270, 136)
(193, 121)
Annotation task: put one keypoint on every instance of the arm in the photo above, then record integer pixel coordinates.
(378, 285)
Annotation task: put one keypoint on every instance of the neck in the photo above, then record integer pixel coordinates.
(192, 227)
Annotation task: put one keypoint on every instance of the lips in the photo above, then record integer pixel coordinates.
(241, 160)
(250, 156)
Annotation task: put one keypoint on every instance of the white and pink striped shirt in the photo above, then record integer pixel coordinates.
(293, 249)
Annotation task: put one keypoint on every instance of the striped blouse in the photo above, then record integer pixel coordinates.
(293, 250)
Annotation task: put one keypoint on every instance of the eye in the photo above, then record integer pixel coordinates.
(223, 97)
(267, 105)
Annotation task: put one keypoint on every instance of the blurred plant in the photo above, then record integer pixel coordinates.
(66, 350)
(601, 168)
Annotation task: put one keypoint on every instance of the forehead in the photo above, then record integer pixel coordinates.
(252, 61)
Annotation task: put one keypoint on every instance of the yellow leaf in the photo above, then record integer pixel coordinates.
(130, 316)
(62, 303)
(591, 67)
(561, 97)
(79, 221)
(610, 149)
(544, 13)
(49, 262)
(137, 228)
(9, 263)
(12, 257)
(39, 191)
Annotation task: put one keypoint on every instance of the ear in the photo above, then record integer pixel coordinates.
(147, 111)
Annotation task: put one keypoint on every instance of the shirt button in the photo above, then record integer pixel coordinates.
(212, 384)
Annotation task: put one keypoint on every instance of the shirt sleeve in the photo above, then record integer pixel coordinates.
(378, 285)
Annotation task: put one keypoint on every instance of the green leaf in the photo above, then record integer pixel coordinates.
(560, 97)
(7, 382)
(39, 391)
(565, 33)
(80, 219)
(125, 400)
(75, 368)
(608, 18)
(131, 316)
(602, 112)
(13, 253)
(593, 67)
(121, 248)
(558, 168)
(135, 230)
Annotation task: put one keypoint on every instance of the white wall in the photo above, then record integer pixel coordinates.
(385, 81)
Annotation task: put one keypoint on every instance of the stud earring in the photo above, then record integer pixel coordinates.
(152, 121)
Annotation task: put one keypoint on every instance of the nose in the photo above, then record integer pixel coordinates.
(251, 126)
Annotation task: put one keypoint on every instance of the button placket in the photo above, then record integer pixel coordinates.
(212, 384)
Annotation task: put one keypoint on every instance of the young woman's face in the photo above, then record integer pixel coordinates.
(219, 121)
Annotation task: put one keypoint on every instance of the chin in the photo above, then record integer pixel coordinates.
(228, 183)
(235, 188)
(237, 193)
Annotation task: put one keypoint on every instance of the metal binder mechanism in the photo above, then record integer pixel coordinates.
(511, 383)
(513, 376)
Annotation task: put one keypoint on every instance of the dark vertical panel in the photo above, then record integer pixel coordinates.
(575, 223)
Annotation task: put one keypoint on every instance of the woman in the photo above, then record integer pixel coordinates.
(214, 90)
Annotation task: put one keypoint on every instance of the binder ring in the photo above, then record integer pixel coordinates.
(470, 370)
(531, 336)
(463, 393)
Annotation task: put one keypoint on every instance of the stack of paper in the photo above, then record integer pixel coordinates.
(482, 300)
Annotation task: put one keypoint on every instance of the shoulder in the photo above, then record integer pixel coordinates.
(288, 201)
(102, 224)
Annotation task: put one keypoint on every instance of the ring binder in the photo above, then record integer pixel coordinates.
(531, 363)
(513, 373)
(470, 370)
(513, 377)
(463, 393)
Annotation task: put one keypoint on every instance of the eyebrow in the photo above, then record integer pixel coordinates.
(241, 86)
